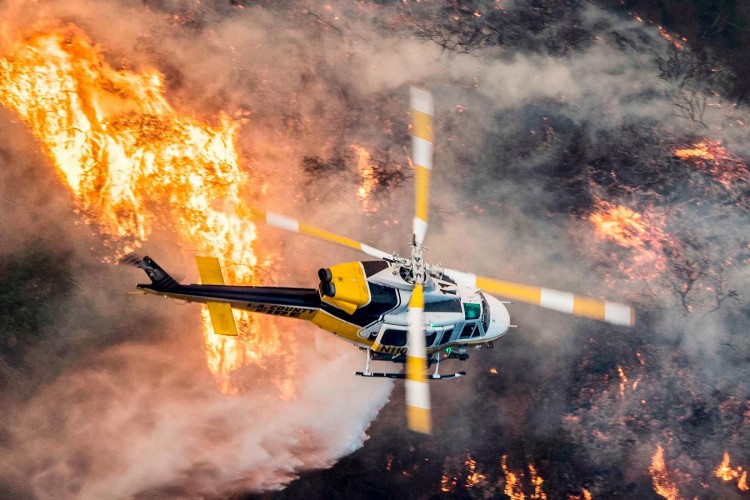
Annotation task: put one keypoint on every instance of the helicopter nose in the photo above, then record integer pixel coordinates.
(499, 318)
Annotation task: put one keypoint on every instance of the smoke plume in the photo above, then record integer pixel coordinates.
(543, 115)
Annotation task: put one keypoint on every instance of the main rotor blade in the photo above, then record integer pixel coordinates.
(570, 303)
(416, 386)
(422, 110)
(293, 225)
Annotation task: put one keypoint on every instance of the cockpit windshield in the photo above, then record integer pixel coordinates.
(472, 311)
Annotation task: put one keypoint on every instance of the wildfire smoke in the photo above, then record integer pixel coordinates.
(136, 164)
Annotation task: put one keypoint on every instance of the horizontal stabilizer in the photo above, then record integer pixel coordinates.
(220, 312)
(222, 318)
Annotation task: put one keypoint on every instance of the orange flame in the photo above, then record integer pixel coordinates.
(623, 380)
(714, 159)
(367, 173)
(585, 495)
(513, 487)
(536, 482)
(473, 477)
(674, 40)
(644, 235)
(663, 485)
(134, 163)
(727, 473)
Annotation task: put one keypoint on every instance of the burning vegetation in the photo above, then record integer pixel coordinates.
(664, 209)
(713, 159)
(663, 485)
(136, 165)
(727, 473)
(643, 235)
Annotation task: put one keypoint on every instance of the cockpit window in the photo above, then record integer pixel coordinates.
(472, 311)
(468, 330)
(394, 337)
(446, 337)
(430, 338)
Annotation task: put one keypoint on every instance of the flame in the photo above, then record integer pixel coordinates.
(663, 485)
(135, 164)
(674, 40)
(473, 477)
(727, 473)
(367, 173)
(643, 235)
(712, 158)
(448, 483)
(623, 380)
(513, 487)
(536, 482)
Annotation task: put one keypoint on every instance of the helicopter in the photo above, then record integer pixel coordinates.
(399, 309)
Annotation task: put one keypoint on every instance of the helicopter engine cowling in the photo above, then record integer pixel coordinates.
(344, 286)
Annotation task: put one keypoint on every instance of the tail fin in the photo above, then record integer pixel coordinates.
(159, 277)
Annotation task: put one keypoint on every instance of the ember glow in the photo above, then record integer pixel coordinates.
(623, 380)
(536, 483)
(643, 234)
(713, 159)
(678, 42)
(663, 485)
(366, 173)
(136, 164)
(473, 477)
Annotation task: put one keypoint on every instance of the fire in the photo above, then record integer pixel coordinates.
(367, 173)
(134, 164)
(644, 235)
(536, 482)
(725, 472)
(712, 158)
(623, 380)
(674, 40)
(513, 486)
(585, 495)
(448, 483)
(663, 485)
(473, 477)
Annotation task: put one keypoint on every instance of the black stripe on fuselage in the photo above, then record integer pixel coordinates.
(252, 298)
(245, 297)
(383, 299)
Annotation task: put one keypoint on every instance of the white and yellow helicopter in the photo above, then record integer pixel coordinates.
(398, 309)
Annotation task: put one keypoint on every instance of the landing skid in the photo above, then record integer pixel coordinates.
(403, 375)
(433, 376)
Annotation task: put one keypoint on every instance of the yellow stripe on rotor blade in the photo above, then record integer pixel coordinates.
(522, 293)
(417, 297)
(421, 125)
(422, 177)
(209, 270)
(419, 420)
(222, 318)
(588, 308)
(566, 302)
